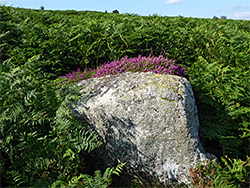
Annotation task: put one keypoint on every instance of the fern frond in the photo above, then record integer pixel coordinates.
(96, 181)
(19, 179)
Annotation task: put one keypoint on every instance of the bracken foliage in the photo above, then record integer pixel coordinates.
(231, 173)
(41, 139)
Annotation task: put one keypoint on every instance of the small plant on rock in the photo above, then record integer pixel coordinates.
(229, 173)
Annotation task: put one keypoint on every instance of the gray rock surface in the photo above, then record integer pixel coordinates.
(147, 120)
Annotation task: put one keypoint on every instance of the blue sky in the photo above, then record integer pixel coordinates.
(232, 9)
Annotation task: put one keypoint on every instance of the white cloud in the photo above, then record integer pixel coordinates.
(242, 15)
(172, 1)
(217, 10)
(235, 6)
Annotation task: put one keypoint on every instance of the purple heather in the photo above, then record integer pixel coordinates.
(154, 64)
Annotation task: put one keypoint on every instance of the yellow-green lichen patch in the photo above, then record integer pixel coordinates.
(168, 87)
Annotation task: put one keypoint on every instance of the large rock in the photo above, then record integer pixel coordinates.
(147, 120)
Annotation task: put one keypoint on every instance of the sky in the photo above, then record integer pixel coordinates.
(232, 9)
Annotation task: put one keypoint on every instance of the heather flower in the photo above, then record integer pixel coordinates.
(77, 75)
(158, 65)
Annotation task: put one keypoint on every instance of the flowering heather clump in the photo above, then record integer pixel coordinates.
(159, 65)
(77, 75)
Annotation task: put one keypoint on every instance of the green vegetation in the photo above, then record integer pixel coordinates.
(42, 141)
